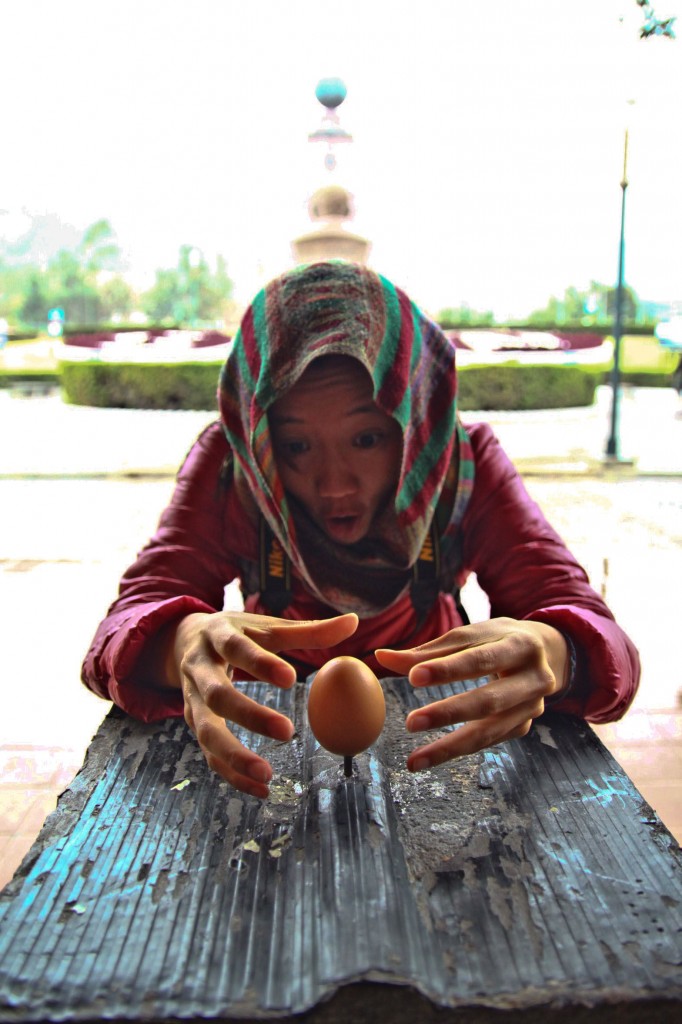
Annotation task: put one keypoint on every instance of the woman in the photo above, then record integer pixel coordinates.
(342, 491)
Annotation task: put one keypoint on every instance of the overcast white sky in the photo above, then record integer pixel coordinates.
(488, 135)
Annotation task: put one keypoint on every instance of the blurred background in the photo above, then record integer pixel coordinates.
(485, 167)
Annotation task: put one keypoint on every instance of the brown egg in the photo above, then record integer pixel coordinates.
(346, 707)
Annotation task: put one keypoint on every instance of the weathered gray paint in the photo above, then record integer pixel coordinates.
(531, 879)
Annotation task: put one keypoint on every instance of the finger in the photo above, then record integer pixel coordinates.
(439, 662)
(241, 781)
(224, 754)
(230, 647)
(252, 649)
(472, 737)
(486, 701)
(500, 656)
(228, 702)
(459, 638)
(225, 646)
(288, 634)
(206, 682)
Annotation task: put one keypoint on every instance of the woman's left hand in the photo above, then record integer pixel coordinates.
(525, 661)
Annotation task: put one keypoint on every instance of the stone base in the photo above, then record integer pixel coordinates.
(329, 242)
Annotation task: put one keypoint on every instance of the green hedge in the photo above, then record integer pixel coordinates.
(141, 385)
(523, 386)
(551, 326)
(28, 380)
(194, 385)
(107, 327)
(11, 376)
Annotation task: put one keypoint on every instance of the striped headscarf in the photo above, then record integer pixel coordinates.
(338, 308)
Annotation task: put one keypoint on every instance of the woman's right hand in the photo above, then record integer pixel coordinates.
(199, 654)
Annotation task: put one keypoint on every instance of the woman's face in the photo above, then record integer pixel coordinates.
(337, 453)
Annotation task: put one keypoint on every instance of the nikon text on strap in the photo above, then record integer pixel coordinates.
(275, 573)
(274, 570)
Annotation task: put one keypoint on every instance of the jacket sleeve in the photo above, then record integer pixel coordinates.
(183, 569)
(528, 573)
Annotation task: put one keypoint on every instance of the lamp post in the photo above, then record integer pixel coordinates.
(612, 445)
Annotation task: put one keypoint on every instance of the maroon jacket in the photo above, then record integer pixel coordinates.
(204, 541)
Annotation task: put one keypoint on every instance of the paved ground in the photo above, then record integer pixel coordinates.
(81, 489)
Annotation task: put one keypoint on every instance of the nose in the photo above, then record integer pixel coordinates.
(335, 478)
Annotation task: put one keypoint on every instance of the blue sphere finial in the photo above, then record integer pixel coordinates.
(331, 92)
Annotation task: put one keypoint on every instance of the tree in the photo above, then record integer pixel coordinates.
(74, 289)
(552, 313)
(74, 278)
(83, 277)
(35, 304)
(587, 307)
(464, 316)
(190, 293)
(629, 307)
(118, 298)
(160, 301)
(98, 249)
(15, 284)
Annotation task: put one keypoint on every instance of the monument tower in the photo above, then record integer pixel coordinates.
(330, 207)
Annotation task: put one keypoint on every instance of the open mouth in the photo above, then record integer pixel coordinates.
(342, 527)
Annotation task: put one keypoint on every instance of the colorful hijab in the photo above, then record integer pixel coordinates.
(338, 308)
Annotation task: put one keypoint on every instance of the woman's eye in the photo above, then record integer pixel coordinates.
(293, 448)
(369, 439)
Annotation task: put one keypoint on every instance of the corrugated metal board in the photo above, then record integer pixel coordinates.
(530, 875)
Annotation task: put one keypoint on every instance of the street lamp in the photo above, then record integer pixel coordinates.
(612, 444)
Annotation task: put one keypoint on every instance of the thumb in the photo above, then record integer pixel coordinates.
(287, 635)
